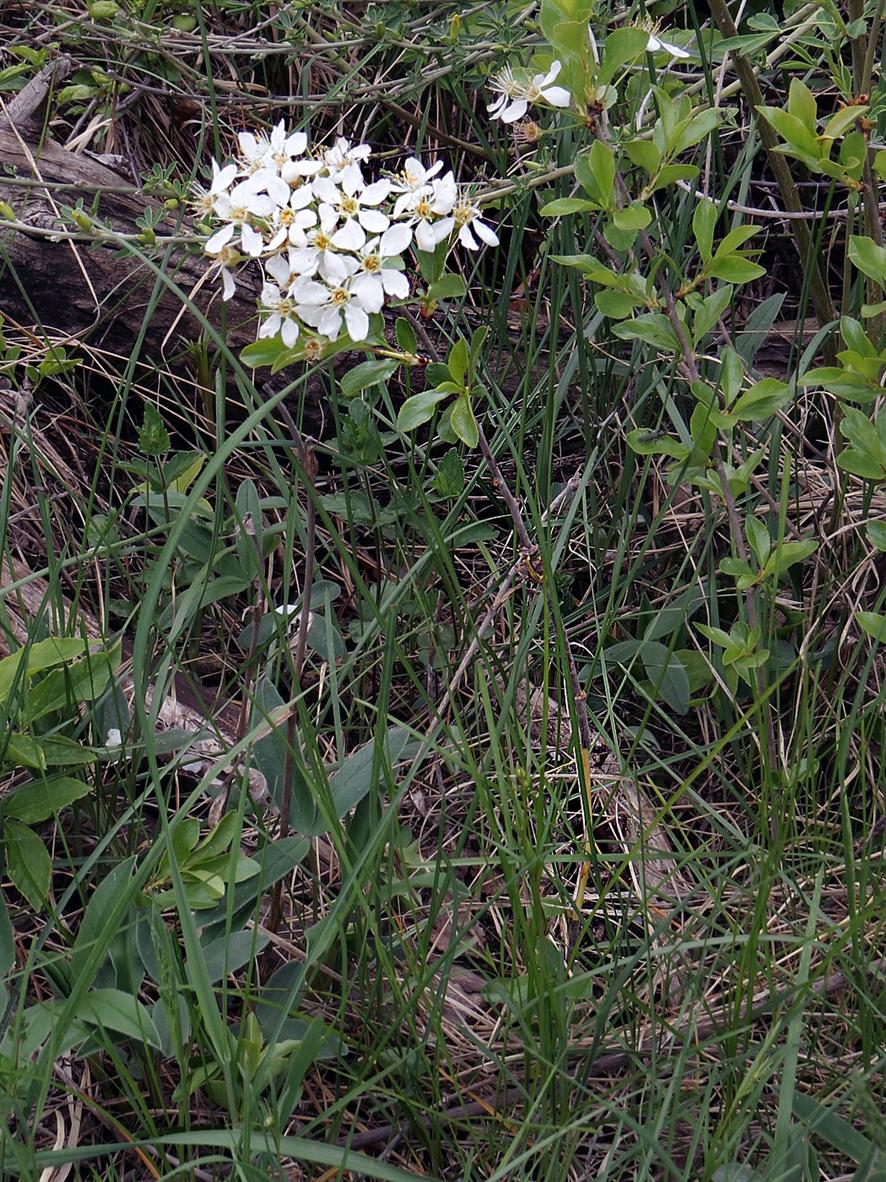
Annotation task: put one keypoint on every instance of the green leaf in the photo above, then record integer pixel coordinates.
(672, 173)
(704, 221)
(758, 539)
(647, 442)
(789, 554)
(27, 863)
(359, 772)
(762, 400)
(45, 654)
(449, 479)
(368, 373)
(457, 361)
(615, 304)
(644, 154)
(842, 382)
(83, 681)
(622, 46)
(262, 352)
(463, 422)
(710, 311)
(802, 105)
(874, 623)
(877, 534)
(153, 438)
(92, 925)
(736, 269)
(447, 287)
(633, 217)
(114, 1010)
(230, 952)
(869, 258)
(653, 328)
(665, 670)
(595, 172)
(40, 800)
(563, 206)
(696, 129)
(792, 131)
(419, 408)
(405, 334)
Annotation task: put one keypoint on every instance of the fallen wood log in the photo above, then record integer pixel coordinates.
(95, 292)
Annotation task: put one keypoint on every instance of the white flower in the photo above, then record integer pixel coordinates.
(226, 259)
(114, 738)
(656, 45)
(325, 306)
(236, 209)
(467, 219)
(343, 154)
(412, 178)
(428, 211)
(318, 250)
(282, 320)
(283, 147)
(515, 97)
(288, 610)
(255, 151)
(353, 195)
(293, 217)
(373, 281)
(222, 179)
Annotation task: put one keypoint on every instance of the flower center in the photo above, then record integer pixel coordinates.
(313, 349)
(339, 297)
(285, 307)
(372, 263)
(286, 217)
(280, 159)
(463, 214)
(349, 206)
(322, 241)
(228, 256)
(533, 93)
(424, 209)
(239, 213)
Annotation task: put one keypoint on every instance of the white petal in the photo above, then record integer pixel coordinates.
(357, 322)
(395, 283)
(304, 262)
(289, 333)
(352, 179)
(557, 96)
(495, 109)
(220, 239)
(395, 240)
(485, 232)
(368, 291)
(301, 197)
(467, 239)
(556, 67)
(228, 285)
(271, 326)
(253, 243)
(307, 291)
(375, 193)
(278, 190)
(326, 190)
(329, 323)
(277, 240)
(374, 221)
(425, 238)
(222, 178)
(278, 268)
(332, 267)
(350, 237)
(248, 144)
(515, 111)
(295, 143)
(443, 229)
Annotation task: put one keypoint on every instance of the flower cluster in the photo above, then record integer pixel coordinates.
(330, 243)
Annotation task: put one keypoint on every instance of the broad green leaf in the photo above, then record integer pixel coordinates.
(83, 681)
(449, 479)
(595, 172)
(869, 258)
(710, 311)
(672, 173)
(367, 373)
(802, 104)
(648, 442)
(622, 46)
(405, 334)
(262, 352)
(761, 401)
(457, 361)
(92, 925)
(419, 408)
(358, 773)
(633, 217)
(758, 539)
(27, 863)
(114, 1010)
(665, 670)
(789, 554)
(644, 154)
(874, 623)
(616, 304)
(795, 134)
(42, 799)
(842, 382)
(563, 206)
(696, 129)
(703, 222)
(45, 654)
(447, 287)
(226, 954)
(877, 534)
(843, 121)
(463, 422)
(653, 328)
(736, 269)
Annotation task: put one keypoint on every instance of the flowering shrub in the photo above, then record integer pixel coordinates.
(330, 244)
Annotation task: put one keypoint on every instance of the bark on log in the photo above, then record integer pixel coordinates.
(97, 293)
